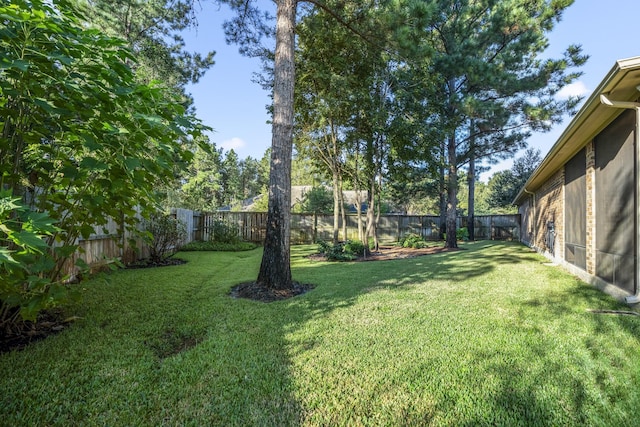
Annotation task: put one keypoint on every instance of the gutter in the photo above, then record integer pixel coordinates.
(604, 99)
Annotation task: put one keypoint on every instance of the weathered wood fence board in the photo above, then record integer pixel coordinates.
(391, 228)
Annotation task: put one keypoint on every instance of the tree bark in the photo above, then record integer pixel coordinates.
(471, 181)
(452, 194)
(336, 206)
(442, 188)
(343, 213)
(275, 269)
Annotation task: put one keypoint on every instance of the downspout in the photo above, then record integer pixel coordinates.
(632, 299)
(535, 228)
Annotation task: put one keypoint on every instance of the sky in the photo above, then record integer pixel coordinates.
(227, 100)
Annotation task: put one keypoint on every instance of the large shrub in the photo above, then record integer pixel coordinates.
(164, 235)
(224, 232)
(341, 251)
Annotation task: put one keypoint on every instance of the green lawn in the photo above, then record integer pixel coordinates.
(485, 336)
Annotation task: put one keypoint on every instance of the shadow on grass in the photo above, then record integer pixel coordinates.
(135, 344)
(565, 382)
(532, 383)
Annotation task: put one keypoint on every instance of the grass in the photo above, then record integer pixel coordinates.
(484, 336)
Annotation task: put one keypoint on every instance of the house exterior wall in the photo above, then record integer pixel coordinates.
(607, 211)
(543, 210)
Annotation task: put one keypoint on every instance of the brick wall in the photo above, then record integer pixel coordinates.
(549, 207)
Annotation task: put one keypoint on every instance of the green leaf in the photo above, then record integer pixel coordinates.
(5, 256)
(29, 240)
(40, 222)
(93, 164)
(132, 163)
(47, 105)
(86, 230)
(20, 64)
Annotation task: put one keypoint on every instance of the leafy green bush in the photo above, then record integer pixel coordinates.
(26, 261)
(354, 247)
(342, 251)
(224, 232)
(164, 235)
(218, 246)
(462, 234)
(414, 241)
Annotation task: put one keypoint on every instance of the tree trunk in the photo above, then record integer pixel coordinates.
(452, 194)
(358, 207)
(275, 269)
(343, 213)
(336, 206)
(442, 188)
(371, 214)
(471, 181)
(315, 227)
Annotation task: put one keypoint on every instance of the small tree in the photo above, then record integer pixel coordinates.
(80, 138)
(318, 200)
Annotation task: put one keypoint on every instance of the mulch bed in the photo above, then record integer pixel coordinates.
(48, 323)
(147, 263)
(394, 252)
(256, 292)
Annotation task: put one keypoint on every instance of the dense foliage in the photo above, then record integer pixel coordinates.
(81, 139)
(25, 262)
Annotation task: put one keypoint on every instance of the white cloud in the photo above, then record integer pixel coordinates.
(573, 89)
(233, 143)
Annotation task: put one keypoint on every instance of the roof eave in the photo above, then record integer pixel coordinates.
(581, 129)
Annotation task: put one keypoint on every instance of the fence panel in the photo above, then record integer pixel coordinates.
(391, 228)
(305, 228)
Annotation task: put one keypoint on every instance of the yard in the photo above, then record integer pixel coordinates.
(488, 335)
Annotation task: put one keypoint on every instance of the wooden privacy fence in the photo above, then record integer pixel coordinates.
(391, 228)
(252, 227)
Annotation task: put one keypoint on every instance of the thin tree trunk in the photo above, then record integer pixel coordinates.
(343, 214)
(358, 207)
(471, 181)
(442, 188)
(358, 189)
(315, 227)
(371, 214)
(336, 206)
(275, 269)
(452, 194)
